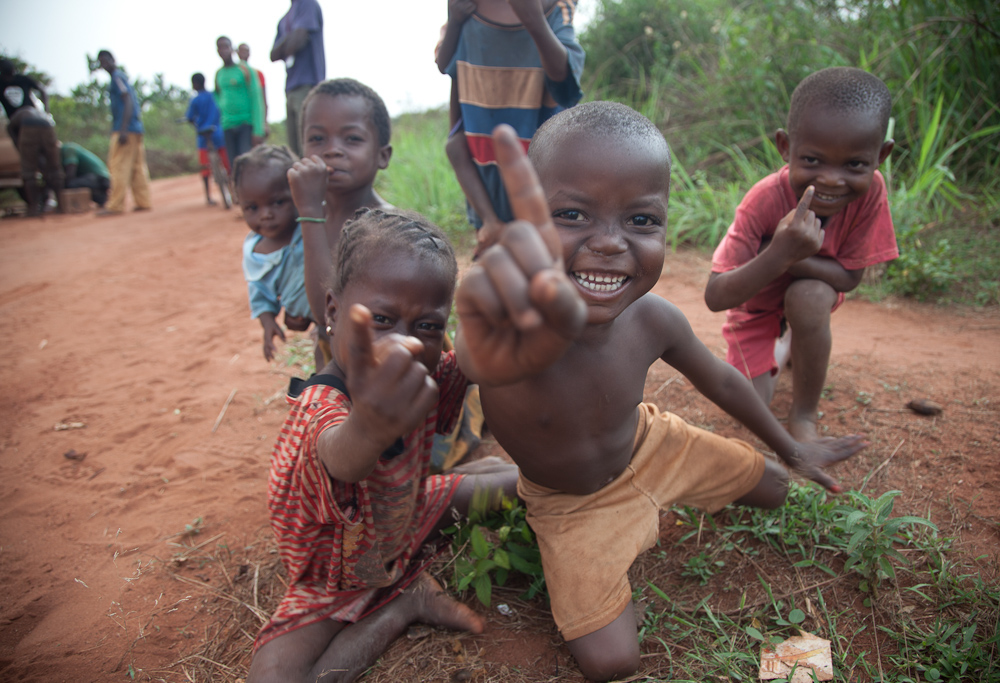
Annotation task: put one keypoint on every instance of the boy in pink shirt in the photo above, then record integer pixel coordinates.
(803, 236)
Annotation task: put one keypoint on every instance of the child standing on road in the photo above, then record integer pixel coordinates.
(803, 237)
(559, 328)
(515, 62)
(345, 137)
(351, 498)
(272, 253)
(203, 112)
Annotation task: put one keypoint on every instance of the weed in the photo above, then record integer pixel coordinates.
(702, 567)
(873, 535)
(493, 545)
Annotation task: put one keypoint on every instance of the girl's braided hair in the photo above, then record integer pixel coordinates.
(376, 231)
(261, 157)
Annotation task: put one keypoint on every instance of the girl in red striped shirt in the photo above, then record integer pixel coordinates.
(352, 501)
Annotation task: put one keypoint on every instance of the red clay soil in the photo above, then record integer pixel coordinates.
(124, 337)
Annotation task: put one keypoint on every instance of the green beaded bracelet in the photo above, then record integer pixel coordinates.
(309, 219)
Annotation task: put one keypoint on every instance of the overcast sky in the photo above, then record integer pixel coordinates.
(387, 44)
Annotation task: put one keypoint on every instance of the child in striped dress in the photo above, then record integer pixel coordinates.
(350, 495)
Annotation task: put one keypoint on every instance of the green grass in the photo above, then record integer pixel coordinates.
(746, 577)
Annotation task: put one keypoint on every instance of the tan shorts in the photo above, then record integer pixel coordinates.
(589, 542)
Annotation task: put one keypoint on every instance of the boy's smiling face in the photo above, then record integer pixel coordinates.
(835, 152)
(339, 129)
(608, 198)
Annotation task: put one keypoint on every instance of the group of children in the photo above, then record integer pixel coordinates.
(557, 326)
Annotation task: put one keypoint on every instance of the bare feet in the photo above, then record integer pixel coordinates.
(429, 604)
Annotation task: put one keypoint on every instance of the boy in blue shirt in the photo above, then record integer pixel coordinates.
(203, 112)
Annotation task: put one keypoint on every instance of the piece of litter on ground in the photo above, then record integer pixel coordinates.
(42, 344)
(81, 583)
(72, 454)
(805, 653)
(62, 426)
(924, 406)
(505, 609)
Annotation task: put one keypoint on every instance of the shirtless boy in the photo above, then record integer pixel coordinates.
(780, 264)
(559, 328)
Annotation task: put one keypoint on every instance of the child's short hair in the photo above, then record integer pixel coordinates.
(842, 89)
(376, 231)
(349, 86)
(605, 119)
(221, 38)
(260, 157)
(198, 80)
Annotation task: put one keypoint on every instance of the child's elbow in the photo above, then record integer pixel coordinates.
(713, 301)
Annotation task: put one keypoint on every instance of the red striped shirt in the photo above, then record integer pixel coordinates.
(349, 548)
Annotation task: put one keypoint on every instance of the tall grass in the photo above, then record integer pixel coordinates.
(420, 176)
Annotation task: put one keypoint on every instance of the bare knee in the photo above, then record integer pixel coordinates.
(610, 652)
(808, 304)
(772, 489)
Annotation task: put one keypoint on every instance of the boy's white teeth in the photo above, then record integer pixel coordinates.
(598, 282)
(827, 197)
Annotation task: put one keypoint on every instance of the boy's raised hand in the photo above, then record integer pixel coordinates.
(307, 181)
(812, 457)
(518, 310)
(391, 391)
(799, 235)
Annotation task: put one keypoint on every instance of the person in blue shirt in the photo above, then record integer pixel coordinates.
(273, 257)
(299, 43)
(203, 112)
(127, 155)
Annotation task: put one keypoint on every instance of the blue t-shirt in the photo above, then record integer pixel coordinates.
(276, 280)
(308, 65)
(203, 112)
(119, 89)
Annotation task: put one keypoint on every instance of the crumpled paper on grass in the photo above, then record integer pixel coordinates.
(805, 653)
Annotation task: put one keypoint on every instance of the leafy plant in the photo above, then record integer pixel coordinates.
(873, 536)
(493, 546)
(702, 567)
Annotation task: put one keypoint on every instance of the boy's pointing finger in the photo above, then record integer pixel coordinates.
(527, 199)
(803, 208)
(360, 351)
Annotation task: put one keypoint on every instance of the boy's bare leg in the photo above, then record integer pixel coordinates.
(334, 652)
(609, 652)
(807, 308)
(772, 489)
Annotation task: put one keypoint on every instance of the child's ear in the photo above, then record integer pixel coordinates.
(331, 309)
(886, 150)
(782, 142)
(384, 155)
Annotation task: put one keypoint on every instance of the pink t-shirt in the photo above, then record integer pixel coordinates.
(859, 236)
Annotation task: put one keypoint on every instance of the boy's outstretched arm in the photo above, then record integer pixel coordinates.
(517, 309)
(391, 394)
(798, 236)
(727, 388)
